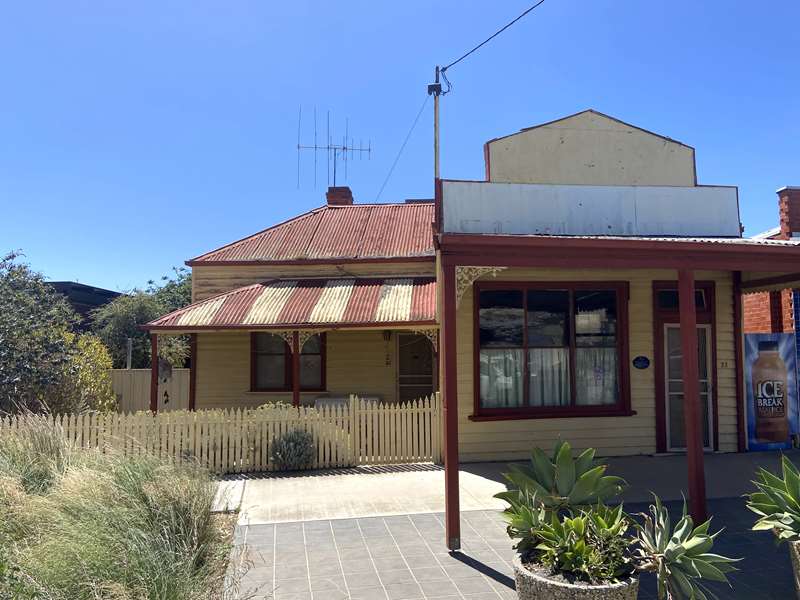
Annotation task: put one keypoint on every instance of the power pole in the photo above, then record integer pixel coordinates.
(435, 89)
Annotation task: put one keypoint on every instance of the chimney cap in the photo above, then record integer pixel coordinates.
(340, 195)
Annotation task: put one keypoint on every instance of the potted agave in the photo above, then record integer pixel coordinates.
(572, 546)
(777, 504)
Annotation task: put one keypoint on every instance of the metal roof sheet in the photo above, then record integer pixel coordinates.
(310, 303)
(359, 231)
(728, 241)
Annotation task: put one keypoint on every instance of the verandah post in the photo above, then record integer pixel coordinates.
(691, 396)
(450, 409)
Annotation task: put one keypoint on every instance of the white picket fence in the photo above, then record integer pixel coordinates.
(360, 432)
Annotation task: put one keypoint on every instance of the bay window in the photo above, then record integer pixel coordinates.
(551, 349)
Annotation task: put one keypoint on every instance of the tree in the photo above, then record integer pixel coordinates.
(86, 378)
(123, 317)
(33, 348)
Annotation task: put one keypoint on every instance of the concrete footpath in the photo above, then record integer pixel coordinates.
(416, 489)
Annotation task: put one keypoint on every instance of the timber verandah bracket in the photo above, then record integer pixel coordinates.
(466, 276)
(303, 335)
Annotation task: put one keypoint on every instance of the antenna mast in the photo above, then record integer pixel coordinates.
(345, 151)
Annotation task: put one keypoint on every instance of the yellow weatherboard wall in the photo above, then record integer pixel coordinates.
(592, 149)
(358, 362)
(611, 436)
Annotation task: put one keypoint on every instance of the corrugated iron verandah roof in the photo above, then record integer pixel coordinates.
(310, 303)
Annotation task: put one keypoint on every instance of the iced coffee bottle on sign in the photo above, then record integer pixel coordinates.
(770, 384)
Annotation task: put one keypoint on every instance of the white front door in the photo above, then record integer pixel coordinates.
(673, 356)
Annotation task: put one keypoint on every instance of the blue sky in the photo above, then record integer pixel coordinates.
(136, 135)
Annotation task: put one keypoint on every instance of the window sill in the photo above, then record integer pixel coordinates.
(518, 416)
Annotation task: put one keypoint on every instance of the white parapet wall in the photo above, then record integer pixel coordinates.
(544, 209)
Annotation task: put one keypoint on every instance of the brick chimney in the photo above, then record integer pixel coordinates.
(789, 211)
(343, 196)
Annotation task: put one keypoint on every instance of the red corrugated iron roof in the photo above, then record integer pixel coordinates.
(282, 303)
(359, 231)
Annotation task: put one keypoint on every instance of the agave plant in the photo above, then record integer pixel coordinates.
(777, 502)
(680, 557)
(591, 547)
(562, 482)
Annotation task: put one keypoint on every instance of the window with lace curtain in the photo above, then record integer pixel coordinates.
(551, 349)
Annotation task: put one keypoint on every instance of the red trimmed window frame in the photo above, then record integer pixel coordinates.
(706, 315)
(623, 405)
(287, 368)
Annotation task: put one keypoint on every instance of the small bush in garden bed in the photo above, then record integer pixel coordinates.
(94, 526)
(292, 451)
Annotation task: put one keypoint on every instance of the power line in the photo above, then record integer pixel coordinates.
(402, 147)
(491, 37)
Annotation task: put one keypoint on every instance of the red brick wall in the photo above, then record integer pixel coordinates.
(768, 312)
(772, 312)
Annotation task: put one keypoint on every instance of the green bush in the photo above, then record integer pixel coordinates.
(292, 451)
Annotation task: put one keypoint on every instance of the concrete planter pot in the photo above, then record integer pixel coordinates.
(533, 586)
(794, 553)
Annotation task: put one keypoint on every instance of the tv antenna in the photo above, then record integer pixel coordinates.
(336, 152)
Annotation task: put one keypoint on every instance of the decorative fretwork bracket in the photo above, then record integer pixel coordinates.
(287, 336)
(432, 335)
(303, 336)
(306, 335)
(466, 276)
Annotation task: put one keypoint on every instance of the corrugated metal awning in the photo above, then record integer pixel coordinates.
(309, 303)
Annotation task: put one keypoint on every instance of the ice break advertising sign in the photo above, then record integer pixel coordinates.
(770, 376)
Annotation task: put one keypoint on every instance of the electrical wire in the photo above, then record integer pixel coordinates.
(402, 147)
(483, 43)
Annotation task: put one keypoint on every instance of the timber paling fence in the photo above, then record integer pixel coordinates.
(359, 432)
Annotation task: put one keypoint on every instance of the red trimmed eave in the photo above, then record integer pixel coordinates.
(290, 326)
(573, 252)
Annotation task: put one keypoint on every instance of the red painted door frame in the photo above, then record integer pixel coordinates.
(662, 317)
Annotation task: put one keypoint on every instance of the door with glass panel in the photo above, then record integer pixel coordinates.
(415, 373)
(673, 382)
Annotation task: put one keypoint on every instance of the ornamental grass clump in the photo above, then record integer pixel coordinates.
(559, 533)
(107, 526)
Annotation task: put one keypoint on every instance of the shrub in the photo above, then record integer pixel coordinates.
(293, 451)
(85, 383)
(777, 502)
